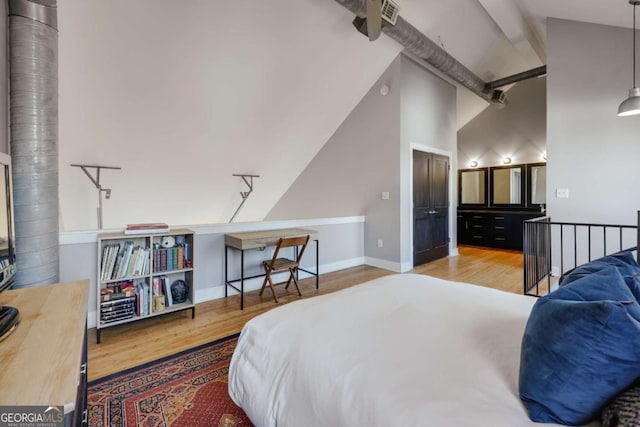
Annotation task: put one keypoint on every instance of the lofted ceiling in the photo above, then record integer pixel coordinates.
(497, 38)
(210, 89)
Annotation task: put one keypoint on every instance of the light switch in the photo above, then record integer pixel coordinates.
(562, 193)
(384, 195)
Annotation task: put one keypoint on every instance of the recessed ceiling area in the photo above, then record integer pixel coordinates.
(497, 38)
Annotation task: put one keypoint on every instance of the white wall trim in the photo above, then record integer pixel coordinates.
(383, 263)
(217, 292)
(91, 236)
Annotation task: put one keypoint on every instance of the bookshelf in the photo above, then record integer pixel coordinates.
(136, 273)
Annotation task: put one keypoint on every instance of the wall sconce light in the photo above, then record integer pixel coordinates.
(473, 164)
(506, 160)
(384, 90)
(544, 156)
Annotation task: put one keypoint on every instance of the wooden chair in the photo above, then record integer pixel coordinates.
(276, 265)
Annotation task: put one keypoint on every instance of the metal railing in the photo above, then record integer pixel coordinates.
(551, 248)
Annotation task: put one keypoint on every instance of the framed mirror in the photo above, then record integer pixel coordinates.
(536, 184)
(508, 186)
(472, 187)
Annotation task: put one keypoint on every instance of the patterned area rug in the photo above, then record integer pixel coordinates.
(187, 389)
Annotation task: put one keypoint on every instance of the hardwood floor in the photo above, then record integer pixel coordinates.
(144, 341)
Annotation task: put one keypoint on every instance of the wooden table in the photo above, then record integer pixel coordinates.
(259, 240)
(43, 362)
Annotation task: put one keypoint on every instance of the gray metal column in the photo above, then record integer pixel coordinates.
(33, 104)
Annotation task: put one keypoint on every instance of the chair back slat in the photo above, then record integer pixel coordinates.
(287, 242)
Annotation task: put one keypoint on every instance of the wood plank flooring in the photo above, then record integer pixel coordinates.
(130, 345)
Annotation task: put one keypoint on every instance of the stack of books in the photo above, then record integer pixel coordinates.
(117, 302)
(146, 228)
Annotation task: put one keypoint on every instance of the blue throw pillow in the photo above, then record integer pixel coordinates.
(625, 262)
(580, 349)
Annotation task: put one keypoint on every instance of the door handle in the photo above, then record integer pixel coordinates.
(433, 212)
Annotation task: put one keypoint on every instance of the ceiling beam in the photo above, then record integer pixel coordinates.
(512, 22)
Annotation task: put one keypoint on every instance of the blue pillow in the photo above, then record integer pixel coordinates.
(625, 262)
(580, 349)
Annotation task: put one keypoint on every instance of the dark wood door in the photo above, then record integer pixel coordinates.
(430, 207)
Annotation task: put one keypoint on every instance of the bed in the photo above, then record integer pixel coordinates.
(403, 349)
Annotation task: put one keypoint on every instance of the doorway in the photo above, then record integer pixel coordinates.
(430, 207)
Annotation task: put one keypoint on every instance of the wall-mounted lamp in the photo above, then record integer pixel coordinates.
(384, 90)
(544, 156)
(473, 164)
(631, 105)
(506, 160)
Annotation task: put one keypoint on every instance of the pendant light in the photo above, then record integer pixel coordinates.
(631, 105)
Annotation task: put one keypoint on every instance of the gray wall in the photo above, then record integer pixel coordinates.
(592, 152)
(358, 163)
(428, 123)
(370, 153)
(517, 131)
(340, 246)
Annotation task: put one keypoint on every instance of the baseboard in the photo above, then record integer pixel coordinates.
(383, 263)
(341, 265)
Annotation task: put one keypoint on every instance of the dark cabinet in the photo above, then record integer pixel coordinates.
(496, 229)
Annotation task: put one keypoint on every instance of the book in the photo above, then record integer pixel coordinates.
(167, 292)
(116, 296)
(146, 228)
(180, 257)
(127, 250)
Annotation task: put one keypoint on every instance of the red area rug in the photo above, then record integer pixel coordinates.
(187, 389)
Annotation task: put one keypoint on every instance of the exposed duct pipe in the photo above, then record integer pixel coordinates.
(33, 81)
(424, 48)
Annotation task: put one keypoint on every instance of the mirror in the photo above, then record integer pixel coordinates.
(537, 178)
(7, 254)
(507, 185)
(473, 186)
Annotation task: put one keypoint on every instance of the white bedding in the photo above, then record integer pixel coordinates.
(403, 350)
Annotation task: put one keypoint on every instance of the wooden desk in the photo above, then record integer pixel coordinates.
(43, 362)
(257, 240)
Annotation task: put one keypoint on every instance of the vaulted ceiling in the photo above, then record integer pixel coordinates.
(249, 87)
(497, 38)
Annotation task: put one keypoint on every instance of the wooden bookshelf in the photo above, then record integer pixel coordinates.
(136, 273)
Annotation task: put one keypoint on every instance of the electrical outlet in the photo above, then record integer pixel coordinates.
(562, 193)
(379, 243)
(384, 195)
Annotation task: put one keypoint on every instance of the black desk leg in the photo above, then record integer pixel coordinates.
(226, 269)
(295, 256)
(317, 261)
(242, 279)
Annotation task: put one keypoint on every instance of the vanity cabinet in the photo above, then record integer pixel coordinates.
(496, 229)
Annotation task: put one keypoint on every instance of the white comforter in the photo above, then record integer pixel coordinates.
(402, 350)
